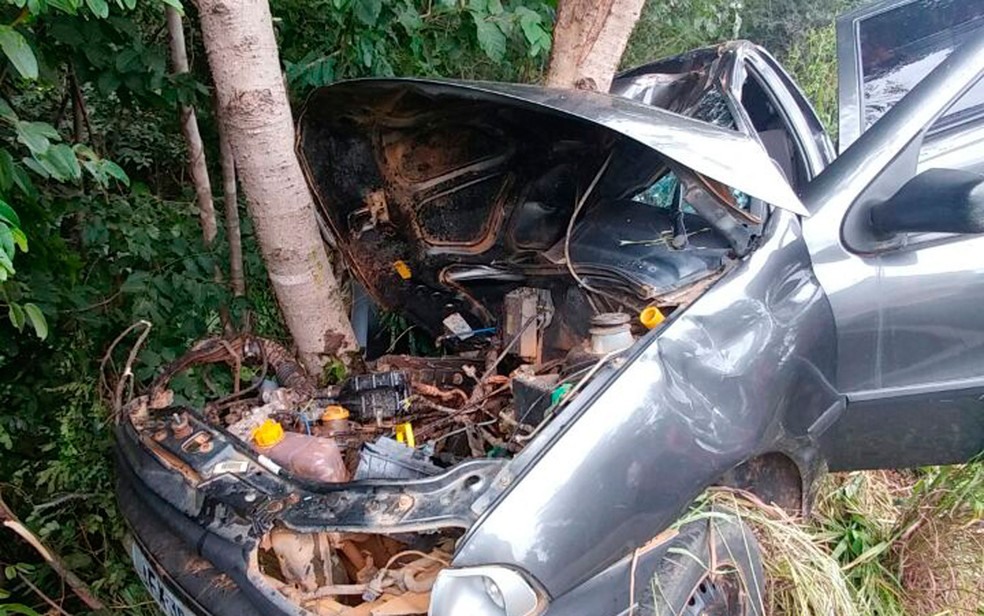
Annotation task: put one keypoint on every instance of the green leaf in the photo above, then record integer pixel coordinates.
(536, 36)
(130, 4)
(19, 608)
(37, 136)
(20, 239)
(61, 163)
(6, 111)
(16, 315)
(490, 38)
(99, 8)
(176, 4)
(367, 11)
(23, 182)
(36, 317)
(6, 171)
(36, 166)
(113, 170)
(19, 53)
(6, 240)
(69, 7)
(6, 266)
(7, 213)
(85, 152)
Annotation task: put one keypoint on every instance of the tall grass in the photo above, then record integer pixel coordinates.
(878, 543)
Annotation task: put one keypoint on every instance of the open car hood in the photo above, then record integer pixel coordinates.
(441, 195)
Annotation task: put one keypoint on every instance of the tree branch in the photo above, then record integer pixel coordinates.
(80, 588)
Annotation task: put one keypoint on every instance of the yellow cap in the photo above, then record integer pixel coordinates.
(334, 412)
(651, 317)
(402, 269)
(268, 434)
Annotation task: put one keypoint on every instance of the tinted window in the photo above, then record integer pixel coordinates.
(901, 46)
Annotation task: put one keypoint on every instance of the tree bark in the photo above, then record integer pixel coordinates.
(193, 139)
(589, 39)
(242, 52)
(230, 199)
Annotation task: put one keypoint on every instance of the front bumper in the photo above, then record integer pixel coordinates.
(212, 575)
(205, 572)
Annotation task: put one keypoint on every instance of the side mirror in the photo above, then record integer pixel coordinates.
(935, 201)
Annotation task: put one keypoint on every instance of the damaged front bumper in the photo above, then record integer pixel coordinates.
(204, 561)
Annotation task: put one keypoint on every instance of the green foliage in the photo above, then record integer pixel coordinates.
(781, 25)
(812, 61)
(329, 40)
(669, 27)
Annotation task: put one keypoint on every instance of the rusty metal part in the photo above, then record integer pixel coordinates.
(352, 553)
(305, 558)
(201, 442)
(236, 351)
(433, 391)
(438, 371)
(180, 426)
(170, 460)
(419, 575)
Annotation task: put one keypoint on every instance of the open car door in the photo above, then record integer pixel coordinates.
(885, 48)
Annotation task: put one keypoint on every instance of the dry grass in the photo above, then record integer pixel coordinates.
(878, 543)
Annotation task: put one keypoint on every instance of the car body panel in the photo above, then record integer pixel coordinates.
(705, 394)
(679, 82)
(907, 319)
(729, 157)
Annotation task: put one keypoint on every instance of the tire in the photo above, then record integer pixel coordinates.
(682, 586)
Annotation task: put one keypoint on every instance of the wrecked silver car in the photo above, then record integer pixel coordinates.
(631, 304)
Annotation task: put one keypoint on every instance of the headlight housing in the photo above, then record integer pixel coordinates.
(484, 591)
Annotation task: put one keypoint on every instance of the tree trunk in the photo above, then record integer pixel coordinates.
(231, 202)
(193, 139)
(588, 41)
(242, 52)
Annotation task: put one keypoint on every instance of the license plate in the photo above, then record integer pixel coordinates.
(168, 602)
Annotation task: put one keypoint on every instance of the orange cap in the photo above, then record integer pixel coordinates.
(651, 317)
(334, 412)
(268, 434)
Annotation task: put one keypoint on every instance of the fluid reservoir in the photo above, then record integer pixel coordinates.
(303, 455)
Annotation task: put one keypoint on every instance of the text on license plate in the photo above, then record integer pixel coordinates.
(168, 603)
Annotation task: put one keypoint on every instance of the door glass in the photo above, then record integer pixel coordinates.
(899, 47)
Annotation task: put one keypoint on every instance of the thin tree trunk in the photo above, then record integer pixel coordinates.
(589, 39)
(242, 52)
(231, 201)
(193, 139)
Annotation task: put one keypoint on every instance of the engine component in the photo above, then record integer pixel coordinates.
(532, 396)
(306, 560)
(275, 401)
(376, 396)
(610, 332)
(335, 418)
(388, 459)
(651, 317)
(311, 457)
(521, 307)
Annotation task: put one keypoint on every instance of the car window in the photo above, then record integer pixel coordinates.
(663, 194)
(901, 46)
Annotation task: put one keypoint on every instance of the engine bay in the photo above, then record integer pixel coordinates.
(529, 250)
